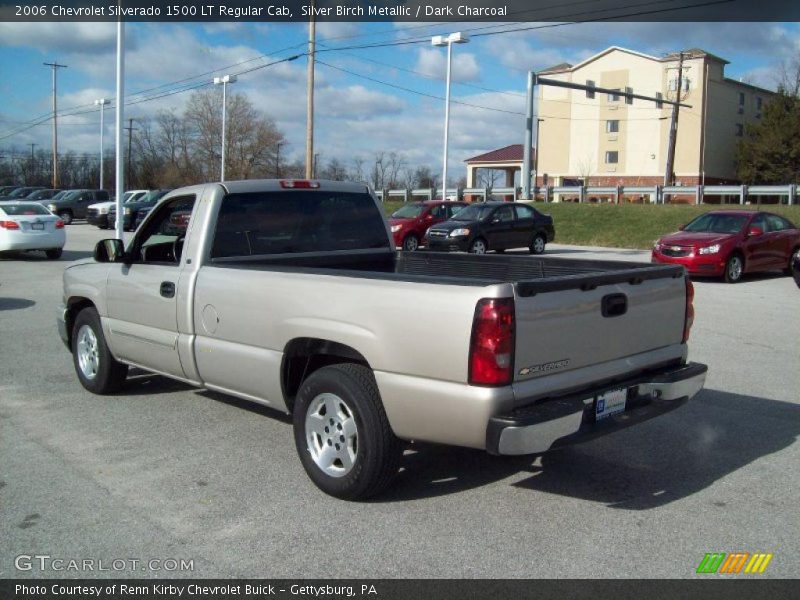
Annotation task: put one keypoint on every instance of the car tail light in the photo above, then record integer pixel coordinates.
(299, 184)
(687, 323)
(491, 349)
(59, 224)
(9, 224)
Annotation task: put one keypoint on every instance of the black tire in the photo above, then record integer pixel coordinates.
(478, 246)
(66, 216)
(788, 270)
(378, 451)
(411, 243)
(537, 244)
(54, 253)
(110, 374)
(734, 273)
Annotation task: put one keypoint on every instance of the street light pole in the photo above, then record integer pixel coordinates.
(102, 104)
(119, 170)
(55, 66)
(440, 40)
(224, 81)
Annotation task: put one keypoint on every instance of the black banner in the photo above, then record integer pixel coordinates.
(399, 10)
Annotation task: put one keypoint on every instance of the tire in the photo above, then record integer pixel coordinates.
(54, 253)
(66, 216)
(537, 244)
(411, 243)
(792, 256)
(734, 269)
(101, 373)
(365, 456)
(478, 246)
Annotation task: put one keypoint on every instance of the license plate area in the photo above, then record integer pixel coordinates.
(37, 226)
(610, 403)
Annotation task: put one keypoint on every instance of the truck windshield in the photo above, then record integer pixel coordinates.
(717, 223)
(295, 221)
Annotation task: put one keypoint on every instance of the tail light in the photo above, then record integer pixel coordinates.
(300, 184)
(9, 225)
(59, 224)
(491, 349)
(687, 323)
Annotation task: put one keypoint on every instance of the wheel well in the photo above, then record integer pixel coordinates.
(74, 306)
(303, 356)
(64, 210)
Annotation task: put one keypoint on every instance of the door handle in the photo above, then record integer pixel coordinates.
(167, 289)
(614, 305)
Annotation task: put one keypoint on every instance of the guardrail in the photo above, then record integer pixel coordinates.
(657, 194)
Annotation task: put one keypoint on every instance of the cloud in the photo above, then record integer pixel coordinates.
(62, 38)
(433, 63)
(331, 30)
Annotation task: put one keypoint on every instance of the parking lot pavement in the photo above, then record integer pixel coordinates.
(165, 471)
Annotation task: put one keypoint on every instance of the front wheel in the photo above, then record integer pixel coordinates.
(538, 244)
(65, 216)
(734, 269)
(789, 268)
(342, 433)
(478, 247)
(411, 243)
(98, 371)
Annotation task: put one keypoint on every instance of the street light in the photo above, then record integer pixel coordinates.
(101, 103)
(224, 81)
(449, 40)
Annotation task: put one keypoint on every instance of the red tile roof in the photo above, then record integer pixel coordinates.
(508, 154)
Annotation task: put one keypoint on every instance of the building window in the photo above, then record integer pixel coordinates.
(673, 84)
(659, 100)
(628, 99)
(590, 92)
(739, 130)
(612, 126)
(614, 97)
(612, 157)
(741, 98)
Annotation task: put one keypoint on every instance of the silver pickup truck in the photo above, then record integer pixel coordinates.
(291, 294)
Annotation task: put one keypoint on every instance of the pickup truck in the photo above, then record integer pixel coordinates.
(290, 293)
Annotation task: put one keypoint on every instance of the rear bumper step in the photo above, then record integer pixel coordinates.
(570, 419)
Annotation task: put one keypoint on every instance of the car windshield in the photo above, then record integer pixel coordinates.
(15, 210)
(409, 211)
(61, 195)
(474, 212)
(717, 223)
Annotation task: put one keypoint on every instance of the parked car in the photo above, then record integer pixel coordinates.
(30, 226)
(410, 222)
(287, 293)
(21, 192)
(97, 214)
(730, 243)
(40, 195)
(7, 189)
(74, 203)
(498, 226)
(132, 208)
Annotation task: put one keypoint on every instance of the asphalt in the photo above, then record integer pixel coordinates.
(163, 471)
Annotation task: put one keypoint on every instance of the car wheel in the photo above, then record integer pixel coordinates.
(538, 244)
(342, 433)
(734, 269)
(54, 253)
(792, 258)
(65, 216)
(478, 246)
(411, 243)
(98, 371)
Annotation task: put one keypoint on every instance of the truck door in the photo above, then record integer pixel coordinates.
(141, 296)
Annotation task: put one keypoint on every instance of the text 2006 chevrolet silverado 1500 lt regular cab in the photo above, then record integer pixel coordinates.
(291, 294)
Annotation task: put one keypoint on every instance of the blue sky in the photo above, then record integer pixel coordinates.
(356, 116)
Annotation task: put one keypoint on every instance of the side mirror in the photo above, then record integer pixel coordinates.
(109, 251)
(755, 232)
(681, 227)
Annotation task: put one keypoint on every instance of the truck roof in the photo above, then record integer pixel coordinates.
(269, 185)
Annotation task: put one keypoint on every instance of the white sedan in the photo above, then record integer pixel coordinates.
(30, 226)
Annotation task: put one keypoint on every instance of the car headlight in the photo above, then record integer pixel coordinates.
(709, 249)
(103, 210)
(52, 208)
(460, 232)
(396, 228)
(128, 212)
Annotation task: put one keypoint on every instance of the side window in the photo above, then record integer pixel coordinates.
(504, 214)
(775, 223)
(524, 212)
(161, 240)
(439, 212)
(760, 222)
(85, 196)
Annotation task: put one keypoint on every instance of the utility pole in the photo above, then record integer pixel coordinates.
(102, 104)
(32, 146)
(310, 93)
(673, 126)
(55, 67)
(531, 117)
(130, 129)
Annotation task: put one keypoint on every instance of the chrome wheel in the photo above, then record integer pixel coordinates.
(538, 244)
(411, 243)
(331, 434)
(734, 268)
(478, 247)
(88, 354)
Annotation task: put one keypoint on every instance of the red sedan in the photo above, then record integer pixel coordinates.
(410, 222)
(730, 243)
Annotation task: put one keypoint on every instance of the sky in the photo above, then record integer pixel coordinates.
(361, 110)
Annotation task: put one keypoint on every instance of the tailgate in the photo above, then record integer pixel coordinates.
(573, 322)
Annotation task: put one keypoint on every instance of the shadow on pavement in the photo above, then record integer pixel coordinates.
(643, 467)
(15, 303)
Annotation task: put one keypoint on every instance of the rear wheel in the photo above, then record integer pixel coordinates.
(98, 371)
(537, 244)
(411, 242)
(478, 246)
(792, 258)
(734, 269)
(342, 433)
(66, 216)
(53, 253)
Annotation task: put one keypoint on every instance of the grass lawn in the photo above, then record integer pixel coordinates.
(627, 225)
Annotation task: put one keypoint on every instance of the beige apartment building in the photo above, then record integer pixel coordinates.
(607, 139)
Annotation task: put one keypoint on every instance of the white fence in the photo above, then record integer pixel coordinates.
(658, 194)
